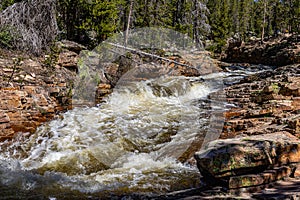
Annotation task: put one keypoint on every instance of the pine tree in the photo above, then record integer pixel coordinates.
(292, 15)
(219, 20)
(102, 18)
(5, 3)
(245, 8)
(235, 27)
(71, 13)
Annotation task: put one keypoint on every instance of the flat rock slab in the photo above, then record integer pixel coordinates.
(247, 155)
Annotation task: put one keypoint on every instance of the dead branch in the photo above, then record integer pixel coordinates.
(32, 24)
(149, 54)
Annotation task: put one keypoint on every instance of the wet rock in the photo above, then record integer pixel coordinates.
(102, 91)
(223, 159)
(84, 163)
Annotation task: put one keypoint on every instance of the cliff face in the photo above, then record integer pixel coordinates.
(274, 52)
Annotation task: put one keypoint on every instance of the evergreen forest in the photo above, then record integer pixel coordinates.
(89, 22)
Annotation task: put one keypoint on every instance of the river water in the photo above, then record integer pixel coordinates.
(139, 141)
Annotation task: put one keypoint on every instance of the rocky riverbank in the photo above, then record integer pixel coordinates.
(267, 102)
(32, 91)
(258, 154)
(261, 135)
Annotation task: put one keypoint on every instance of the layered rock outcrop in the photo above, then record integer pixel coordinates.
(32, 91)
(267, 102)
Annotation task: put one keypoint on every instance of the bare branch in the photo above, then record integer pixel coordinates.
(149, 54)
(32, 24)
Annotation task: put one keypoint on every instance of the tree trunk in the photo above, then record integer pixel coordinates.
(264, 21)
(128, 23)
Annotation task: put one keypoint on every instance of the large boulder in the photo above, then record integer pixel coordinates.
(223, 159)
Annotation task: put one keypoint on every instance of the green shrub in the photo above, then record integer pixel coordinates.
(5, 3)
(6, 37)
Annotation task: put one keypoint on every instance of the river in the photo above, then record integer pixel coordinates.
(139, 141)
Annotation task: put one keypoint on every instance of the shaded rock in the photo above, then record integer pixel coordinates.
(68, 60)
(294, 124)
(265, 177)
(275, 52)
(71, 46)
(111, 73)
(292, 88)
(296, 171)
(234, 42)
(185, 71)
(285, 189)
